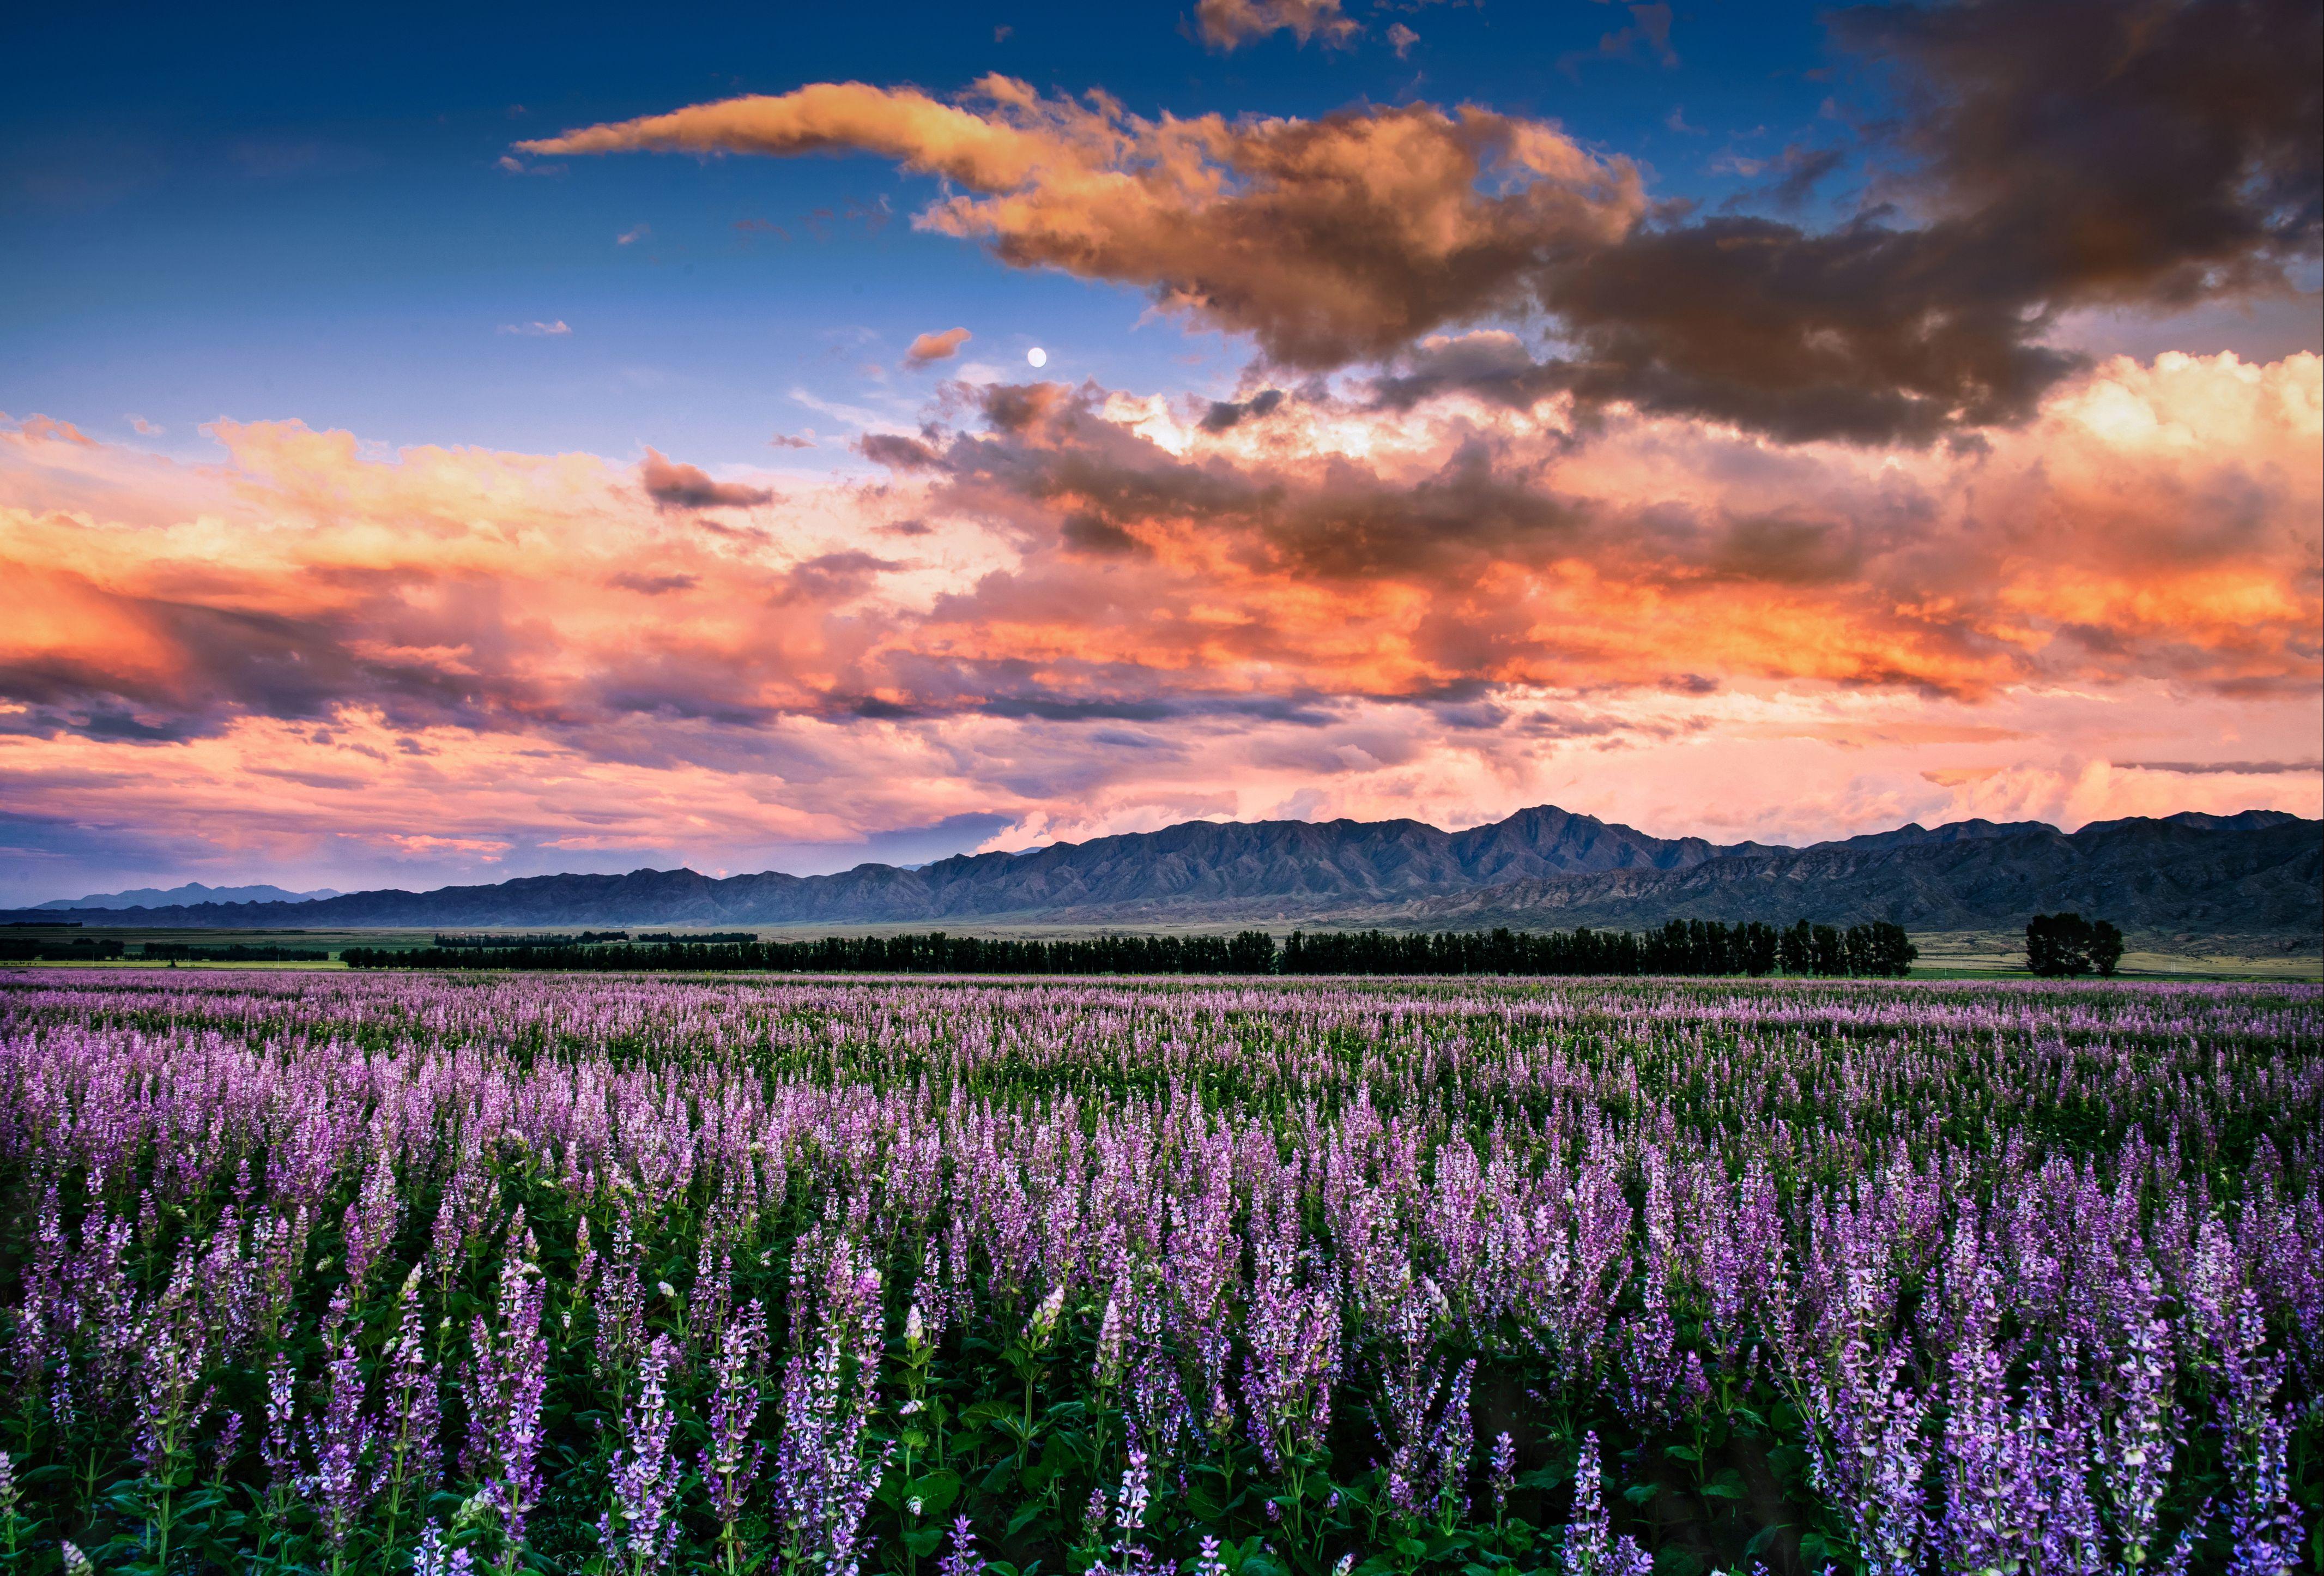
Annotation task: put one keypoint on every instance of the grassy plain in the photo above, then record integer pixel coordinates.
(1944, 954)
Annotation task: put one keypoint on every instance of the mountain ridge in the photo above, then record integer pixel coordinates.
(144, 897)
(2259, 871)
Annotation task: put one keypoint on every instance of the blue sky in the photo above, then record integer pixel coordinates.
(212, 212)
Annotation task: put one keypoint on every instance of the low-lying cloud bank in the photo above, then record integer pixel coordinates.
(1089, 610)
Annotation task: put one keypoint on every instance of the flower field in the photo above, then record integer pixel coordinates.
(376, 1273)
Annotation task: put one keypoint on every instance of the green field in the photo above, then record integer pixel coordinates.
(1944, 955)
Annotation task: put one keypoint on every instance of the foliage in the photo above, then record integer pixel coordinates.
(1682, 948)
(2067, 946)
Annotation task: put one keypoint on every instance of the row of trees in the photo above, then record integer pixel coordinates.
(56, 949)
(1683, 946)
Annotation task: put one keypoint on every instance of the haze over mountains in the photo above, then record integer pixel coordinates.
(2257, 873)
(192, 892)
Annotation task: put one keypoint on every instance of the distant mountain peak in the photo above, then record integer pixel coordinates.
(191, 893)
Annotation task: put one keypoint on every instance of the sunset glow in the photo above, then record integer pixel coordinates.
(1408, 445)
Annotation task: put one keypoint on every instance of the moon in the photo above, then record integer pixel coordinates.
(1038, 356)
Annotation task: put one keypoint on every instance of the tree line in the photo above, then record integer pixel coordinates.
(58, 949)
(1683, 946)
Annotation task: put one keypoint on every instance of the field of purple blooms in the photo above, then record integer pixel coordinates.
(537, 1272)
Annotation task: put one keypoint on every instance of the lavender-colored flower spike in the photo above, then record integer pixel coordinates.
(733, 1459)
(507, 1389)
(1590, 1547)
(343, 1443)
(639, 1531)
(433, 1559)
(964, 1560)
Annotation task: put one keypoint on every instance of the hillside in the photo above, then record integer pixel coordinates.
(2256, 873)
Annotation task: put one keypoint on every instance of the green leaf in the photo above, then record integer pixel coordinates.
(1024, 1516)
(924, 1541)
(936, 1491)
(1683, 1452)
(1642, 1493)
(1728, 1485)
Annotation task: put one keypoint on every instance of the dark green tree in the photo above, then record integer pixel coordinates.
(1797, 949)
(2106, 948)
(2066, 946)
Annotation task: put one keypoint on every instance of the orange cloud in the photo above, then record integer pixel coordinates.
(1356, 236)
(1227, 24)
(928, 347)
(1329, 240)
(1086, 608)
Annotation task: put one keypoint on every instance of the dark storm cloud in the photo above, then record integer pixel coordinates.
(2064, 154)
(1227, 414)
(896, 451)
(672, 485)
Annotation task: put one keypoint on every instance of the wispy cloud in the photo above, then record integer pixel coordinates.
(1229, 25)
(554, 329)
(944, 347)
(2228, 768)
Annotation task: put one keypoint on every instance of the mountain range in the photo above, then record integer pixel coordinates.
(192, 892)
(2256, 873)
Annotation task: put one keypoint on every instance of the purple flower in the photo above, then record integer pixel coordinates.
(964, 1560)
(342, 1442)
(734, 1461)
(823, 1475)
(1589, 1546)
(506, 1390)
(639, 1531)
(433, 1559)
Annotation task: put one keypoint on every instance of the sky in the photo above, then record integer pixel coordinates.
(439, 446)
